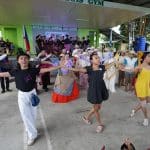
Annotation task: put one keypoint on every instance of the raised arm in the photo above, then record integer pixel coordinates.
(137, 69)
(44, 70)
(47, 62)
(5, 74)
(41, 54)
(134, 70)
(108, 65)
(3, 56)
(83, 70)
(48, 56)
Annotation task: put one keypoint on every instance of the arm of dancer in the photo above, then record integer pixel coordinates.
(3, 56)
(44, 70)
(5, 74)
(47, 62)
(126, 70)
(137, 69)
(48, 56)
(42, 53)
(109, 65)
(83, 70)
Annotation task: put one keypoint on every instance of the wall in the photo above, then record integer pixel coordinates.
(48, 30)
(92, 33)
(19, 38)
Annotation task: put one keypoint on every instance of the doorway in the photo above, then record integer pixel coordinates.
(11, 35)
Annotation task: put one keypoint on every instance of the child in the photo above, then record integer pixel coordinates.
(25, 79)
(97, 91)
(142, 87)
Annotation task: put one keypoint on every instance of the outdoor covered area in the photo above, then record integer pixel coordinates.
(68, 14)
(68, 116)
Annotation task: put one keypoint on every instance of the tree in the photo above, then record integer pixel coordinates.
(141, 27)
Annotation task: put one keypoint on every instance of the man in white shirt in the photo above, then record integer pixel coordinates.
(130, 62)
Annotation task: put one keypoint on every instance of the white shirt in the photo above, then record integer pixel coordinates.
(121, 59)
(130, 62)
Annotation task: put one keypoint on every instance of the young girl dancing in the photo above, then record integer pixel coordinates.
(97, 91)
(25, 79)
(142, 88)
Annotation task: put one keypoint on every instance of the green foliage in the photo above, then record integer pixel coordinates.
(138, 25)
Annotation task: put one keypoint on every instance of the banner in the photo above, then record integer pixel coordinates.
(91, 2)
(26, 40)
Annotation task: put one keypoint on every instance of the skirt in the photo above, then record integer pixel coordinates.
(57, 98)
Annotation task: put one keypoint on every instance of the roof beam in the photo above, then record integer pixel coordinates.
(127, 7)
(145, 3)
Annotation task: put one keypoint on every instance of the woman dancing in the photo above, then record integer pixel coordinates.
(65, 87)
(142, 87)
(97, 91)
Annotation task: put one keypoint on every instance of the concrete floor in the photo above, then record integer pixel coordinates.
(61, 126)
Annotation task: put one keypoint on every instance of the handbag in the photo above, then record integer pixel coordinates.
(35, 100)
(105, 94)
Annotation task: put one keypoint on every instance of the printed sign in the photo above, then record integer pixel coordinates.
(91, 2)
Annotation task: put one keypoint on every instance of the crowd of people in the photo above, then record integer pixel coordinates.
(6, 46)
(88, 68)
(4, 66)
(6, 49)
(55, 44)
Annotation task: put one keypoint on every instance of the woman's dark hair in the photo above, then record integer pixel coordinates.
(125, 147)
(93, 54)
(144, 56)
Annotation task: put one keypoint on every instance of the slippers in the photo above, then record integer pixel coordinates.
(100, 128)
(86, 120)
(132, 113)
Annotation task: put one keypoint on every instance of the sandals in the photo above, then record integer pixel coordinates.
(100, 128)
(86, 120)
(132, 113)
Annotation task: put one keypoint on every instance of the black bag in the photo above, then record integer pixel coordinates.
(105, 94)
(35, 100)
